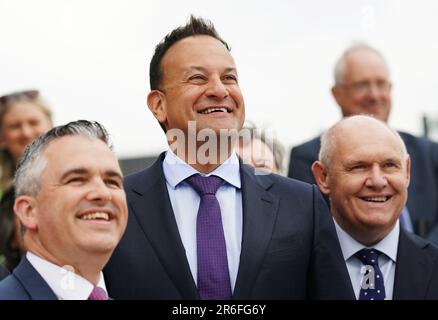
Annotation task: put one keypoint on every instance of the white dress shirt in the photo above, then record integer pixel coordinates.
(64, 283)
(387, 261)
(185, 203)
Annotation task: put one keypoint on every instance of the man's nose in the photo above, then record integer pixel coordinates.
(377, 178)
(99, 191)
(217, 89)
(374, 90)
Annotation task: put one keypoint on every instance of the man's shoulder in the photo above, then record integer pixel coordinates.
(275, 181)
(314, 143)
(422, 244)
(412, 141)
(309, 148)
(12, 289)
(141, 177)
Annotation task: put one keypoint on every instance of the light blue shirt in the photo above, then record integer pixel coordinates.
(387, 261)
(405, 220)
(185, 203)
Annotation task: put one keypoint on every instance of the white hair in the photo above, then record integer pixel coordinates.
(340, 66)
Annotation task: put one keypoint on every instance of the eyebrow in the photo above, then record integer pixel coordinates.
(110, 173)
(355, 162)
(395, 160)
(202, 69)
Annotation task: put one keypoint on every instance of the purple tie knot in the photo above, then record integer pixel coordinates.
(204, 185)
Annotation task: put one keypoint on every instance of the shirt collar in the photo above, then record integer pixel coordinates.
(388, 245)
(65, 284)
(176, 170)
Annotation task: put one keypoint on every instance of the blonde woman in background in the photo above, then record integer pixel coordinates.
(23, 117)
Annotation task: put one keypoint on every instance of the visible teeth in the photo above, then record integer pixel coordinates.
(376, 199)
(210, 110)
(95, 216)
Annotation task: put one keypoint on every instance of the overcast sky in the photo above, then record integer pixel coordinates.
(90, 58)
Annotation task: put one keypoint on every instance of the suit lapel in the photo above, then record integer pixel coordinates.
(31, 280)
(153, 210)
(413, 268)
(259, 215)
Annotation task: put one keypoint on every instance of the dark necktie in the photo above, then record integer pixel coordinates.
(372, 286)
(98, 294)
(213, 274)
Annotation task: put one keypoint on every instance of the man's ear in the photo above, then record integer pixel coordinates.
(408, 169)
(321, 177)
(157, 104)
(337, 94)
(25, 209)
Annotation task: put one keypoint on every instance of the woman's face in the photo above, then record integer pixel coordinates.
(21, 124)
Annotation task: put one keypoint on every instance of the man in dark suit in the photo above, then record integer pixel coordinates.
(272, 237)
(362, 86)
(364, 168)
(71, 203)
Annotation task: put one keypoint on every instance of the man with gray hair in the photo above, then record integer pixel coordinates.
(364, 168)
(71, 204)
(363, 86)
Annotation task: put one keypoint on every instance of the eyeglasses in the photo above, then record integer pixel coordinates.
(362, 87)
(16, 96)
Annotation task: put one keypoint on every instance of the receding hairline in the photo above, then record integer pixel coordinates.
(340, 68)
(191, 38)
(329, 139)
(49, 146)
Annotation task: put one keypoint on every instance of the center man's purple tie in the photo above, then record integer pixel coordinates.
(98, 294)
(213, 275)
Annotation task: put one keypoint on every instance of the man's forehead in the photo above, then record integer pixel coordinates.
(197, 40)
(364, 55)
(367, 136)
(369, 151)
(365, 61)
(78, 149)
(195, 47)
(368, 154)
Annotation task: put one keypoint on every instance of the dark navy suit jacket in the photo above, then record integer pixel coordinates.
(423, 188)
(289, 245)
(416, 271)
(25, 283)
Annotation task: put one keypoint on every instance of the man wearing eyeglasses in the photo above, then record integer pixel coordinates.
(363, 86)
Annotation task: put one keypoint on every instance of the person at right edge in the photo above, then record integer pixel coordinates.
(363, 86)
(215, 230)
(364, 168)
